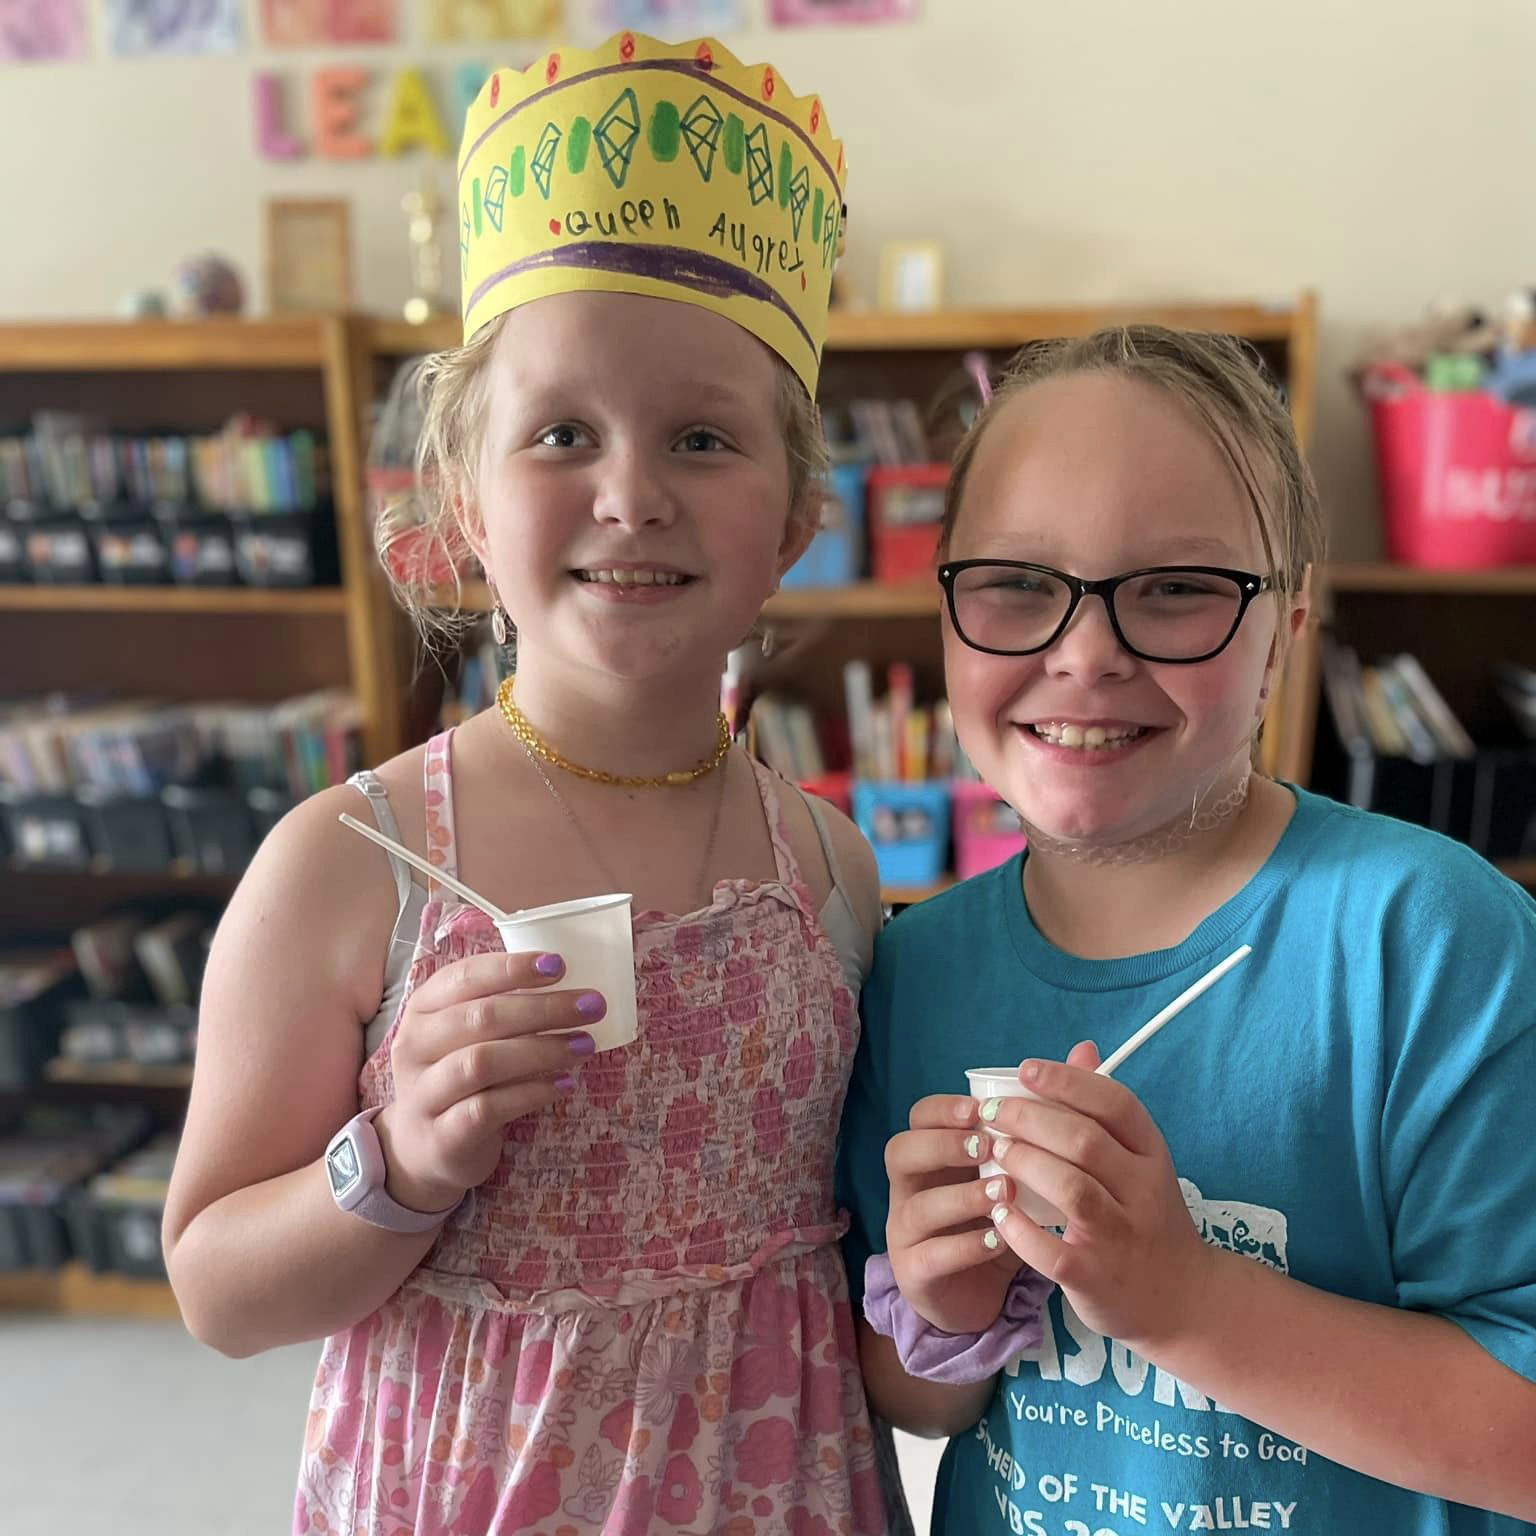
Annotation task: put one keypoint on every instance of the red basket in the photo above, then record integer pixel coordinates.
(1458, 480)
(906, 506)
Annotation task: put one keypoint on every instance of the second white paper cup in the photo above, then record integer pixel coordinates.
(595, 938)
(1003, 1083)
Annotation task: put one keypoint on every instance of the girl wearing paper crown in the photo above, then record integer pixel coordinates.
(570, 1288)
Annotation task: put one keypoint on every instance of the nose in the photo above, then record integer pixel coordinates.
(1087, 649)
(632, 492)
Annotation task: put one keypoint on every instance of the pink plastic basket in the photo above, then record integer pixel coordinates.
(1458, 480)
(987, 830)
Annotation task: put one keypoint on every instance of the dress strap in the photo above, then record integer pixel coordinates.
(437, 772)
(370, 784)
(786, 865)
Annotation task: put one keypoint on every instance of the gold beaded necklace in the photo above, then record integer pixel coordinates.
(535, 744)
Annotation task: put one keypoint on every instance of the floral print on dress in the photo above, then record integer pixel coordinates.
(640, 1321)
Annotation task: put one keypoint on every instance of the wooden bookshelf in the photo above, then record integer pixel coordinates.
(117, 1074)
(75, 1289)
(104, 597)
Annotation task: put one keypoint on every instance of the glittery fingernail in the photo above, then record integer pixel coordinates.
(565, 1083)
(990, 1109)
(591, 1005)
(991, 1239)
(999, 1214)
(994, 1190)
(973, 1147)
(549, 965)
(1000, 1145)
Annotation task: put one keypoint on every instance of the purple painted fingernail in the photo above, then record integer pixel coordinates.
(591, 1005)
(581, 1045)
(565, 1083)
(549, 965)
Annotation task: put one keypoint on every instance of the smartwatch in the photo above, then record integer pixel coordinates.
(354, 1163)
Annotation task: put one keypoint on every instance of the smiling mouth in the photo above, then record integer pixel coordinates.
(643, 577)
(1090, 738)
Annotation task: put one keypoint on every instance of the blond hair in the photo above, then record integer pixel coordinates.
(1219, 381)
(453, 390)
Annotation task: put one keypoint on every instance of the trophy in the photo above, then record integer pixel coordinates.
(423, 207)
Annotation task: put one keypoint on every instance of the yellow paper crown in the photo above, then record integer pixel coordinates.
(645, 167)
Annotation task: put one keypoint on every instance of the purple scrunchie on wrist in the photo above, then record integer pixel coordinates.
(955, 1358)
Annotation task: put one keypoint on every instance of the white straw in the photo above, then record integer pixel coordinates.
(457, 887)
(1182, 1001)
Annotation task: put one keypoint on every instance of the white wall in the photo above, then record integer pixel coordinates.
(1076, 150)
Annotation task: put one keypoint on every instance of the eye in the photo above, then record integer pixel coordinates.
(563, 434)
(702, 440)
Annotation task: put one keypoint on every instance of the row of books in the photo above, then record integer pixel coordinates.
(1390, 708)
(890, 739)
(139, 747)
(880, 432)
(64, 461)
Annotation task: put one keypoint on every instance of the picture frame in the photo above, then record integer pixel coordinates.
(308, 254)
(912, 275)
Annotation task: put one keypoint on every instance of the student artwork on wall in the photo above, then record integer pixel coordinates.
(37, 30)
(137, 27)
(809, 13)
(670, 19)
(304, 23)
(483, 21)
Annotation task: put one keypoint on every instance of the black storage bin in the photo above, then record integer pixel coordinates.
(37, 1179)
(13, 555)
(34, 987)
(200, 546)
(128, 543)
(1504, 803)
(210, 828)
(93, 1032)
(128, 1202)
(286, 549)
(158, 1036)
(48, 831)
(56, 544)
(126, 831)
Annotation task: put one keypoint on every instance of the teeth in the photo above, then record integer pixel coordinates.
(629, 578)
(1092, 739)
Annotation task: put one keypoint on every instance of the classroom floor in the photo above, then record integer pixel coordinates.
(133, 1429)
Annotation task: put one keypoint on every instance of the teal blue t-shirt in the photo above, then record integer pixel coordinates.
(1353, 1105)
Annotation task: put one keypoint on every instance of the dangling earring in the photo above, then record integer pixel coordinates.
(501, 625)
(768, 642)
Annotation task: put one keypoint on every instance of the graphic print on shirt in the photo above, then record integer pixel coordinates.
(1044, 1441)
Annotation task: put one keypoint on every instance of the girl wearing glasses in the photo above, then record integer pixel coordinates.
(1295, 1287)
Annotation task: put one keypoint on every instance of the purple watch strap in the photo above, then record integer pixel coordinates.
(931, 1354)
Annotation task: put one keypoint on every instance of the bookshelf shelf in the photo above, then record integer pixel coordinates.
(124, 1074)
(1521, 871)
(1513, 581)
(106, 598)
(162, 345)
(75, 1289)
(910, 895)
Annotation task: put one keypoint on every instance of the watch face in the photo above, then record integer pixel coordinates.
(342, 1166)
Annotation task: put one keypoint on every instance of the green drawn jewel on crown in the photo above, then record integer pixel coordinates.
(759, 166)
(702, 128)
(543, 166)
(617, 132)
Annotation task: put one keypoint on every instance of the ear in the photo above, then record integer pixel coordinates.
(803, 525)
(466, 513)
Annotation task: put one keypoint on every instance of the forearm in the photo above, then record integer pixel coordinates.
(927, 1408)
(1406, 1397)
(279, 1263)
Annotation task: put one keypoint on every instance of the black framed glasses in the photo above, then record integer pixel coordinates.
(1167, 613)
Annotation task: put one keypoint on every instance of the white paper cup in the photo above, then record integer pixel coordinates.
(596, 940)
(1003, 1083)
